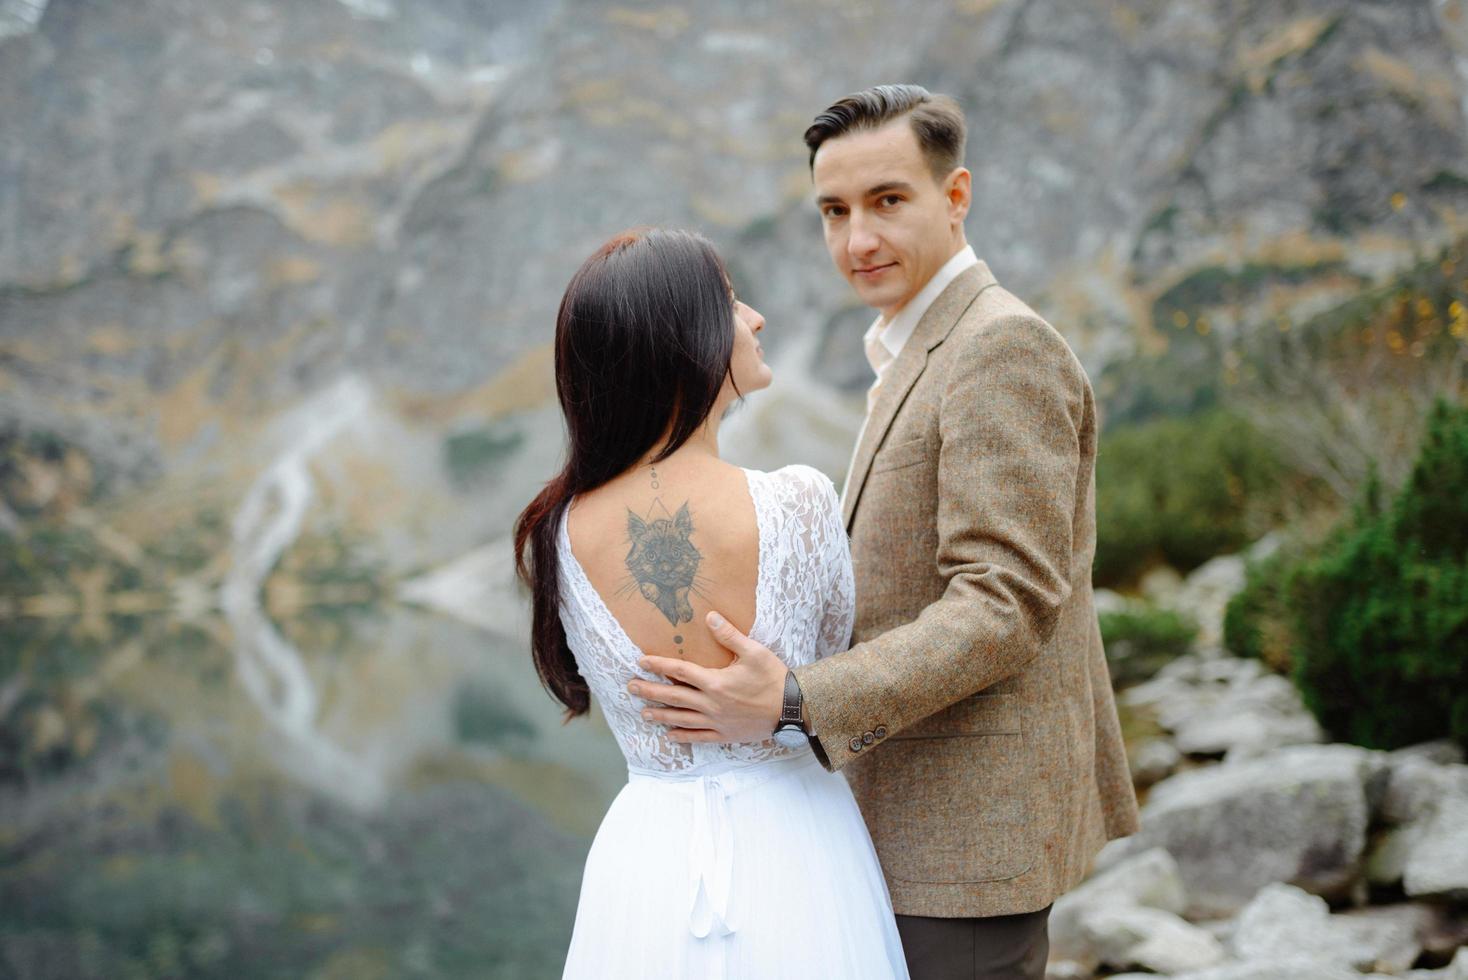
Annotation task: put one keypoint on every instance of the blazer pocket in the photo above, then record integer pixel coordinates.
(908, 453)
(955, 810)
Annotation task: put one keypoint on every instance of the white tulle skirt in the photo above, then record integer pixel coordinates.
(759, 871)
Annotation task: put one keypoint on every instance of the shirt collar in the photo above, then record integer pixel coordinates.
(894, 334)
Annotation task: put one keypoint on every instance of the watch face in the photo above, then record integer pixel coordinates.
(790, 738)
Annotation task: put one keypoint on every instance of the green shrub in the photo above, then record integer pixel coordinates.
(1381, 611)
(1181, 491)
(1257, 622)
(1139, 641)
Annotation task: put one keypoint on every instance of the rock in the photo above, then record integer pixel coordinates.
(1107, 601)
(1446, 933)
(1456, 970)
(1425, 807)
(1248, 720)
(1225, 706)
(1395, 934)
(1438, 861)
(1386, 861)
(1289, 968)
(1152, 761)
(1127, 936)
(1204, 595)
(1265, 547)
(1283, 920)
(1297, 816)
(1443, 751)
(1149, 879)
(1413, 785)
(1161, 585)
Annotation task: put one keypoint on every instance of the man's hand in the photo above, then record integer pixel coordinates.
(737, 703)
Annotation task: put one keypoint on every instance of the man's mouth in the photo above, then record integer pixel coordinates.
(873, 271)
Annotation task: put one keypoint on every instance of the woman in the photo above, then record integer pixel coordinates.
(715, 860)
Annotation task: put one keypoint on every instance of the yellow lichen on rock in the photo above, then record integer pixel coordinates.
(320, 214)
(665, 22)
(1257, 61)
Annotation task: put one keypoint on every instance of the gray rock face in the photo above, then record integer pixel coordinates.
(1297, 816)
(402, 191)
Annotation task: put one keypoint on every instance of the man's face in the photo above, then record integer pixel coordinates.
(889, 224)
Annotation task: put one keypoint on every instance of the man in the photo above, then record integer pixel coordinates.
(973, 715)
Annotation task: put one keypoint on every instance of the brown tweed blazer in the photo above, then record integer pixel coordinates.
(973, 715)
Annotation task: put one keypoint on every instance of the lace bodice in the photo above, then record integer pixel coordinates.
(804, 607)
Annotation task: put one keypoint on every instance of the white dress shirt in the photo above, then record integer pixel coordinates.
(883, 341)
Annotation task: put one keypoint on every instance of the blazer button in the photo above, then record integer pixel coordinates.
(856, 745)
(867, 738)
(880, 731)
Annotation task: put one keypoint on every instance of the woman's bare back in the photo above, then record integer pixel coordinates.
(663, 545)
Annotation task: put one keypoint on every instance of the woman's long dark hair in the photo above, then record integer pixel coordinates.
(643, 341)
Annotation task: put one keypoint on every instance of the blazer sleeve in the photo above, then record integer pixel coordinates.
(1010, 422)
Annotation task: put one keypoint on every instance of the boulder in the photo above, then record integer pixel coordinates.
(1297, 816)
(1220, 705)
(1149, 879)
(1424, 805)
(1152, 761)
(1437, 864)
(1247, 720)
(1284, 921)
(1289, 968)
(1134, 936)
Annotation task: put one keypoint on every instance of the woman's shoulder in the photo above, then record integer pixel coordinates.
(801, 481)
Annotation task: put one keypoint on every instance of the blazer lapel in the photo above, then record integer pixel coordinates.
(903, 372)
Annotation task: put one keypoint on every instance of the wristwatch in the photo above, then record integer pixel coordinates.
(790, 733)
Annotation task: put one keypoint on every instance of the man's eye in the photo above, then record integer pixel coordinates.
(890, 200)
(833, 212)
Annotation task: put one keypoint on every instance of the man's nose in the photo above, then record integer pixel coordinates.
(861, 240)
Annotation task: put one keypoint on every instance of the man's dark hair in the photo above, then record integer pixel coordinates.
(936, 120)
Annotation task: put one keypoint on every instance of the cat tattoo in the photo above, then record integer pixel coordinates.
(663, 561)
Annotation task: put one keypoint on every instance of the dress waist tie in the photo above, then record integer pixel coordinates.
(711, 838)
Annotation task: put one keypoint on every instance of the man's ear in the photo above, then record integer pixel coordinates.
(958, 189)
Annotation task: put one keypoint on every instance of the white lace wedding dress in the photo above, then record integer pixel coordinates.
(721, 860)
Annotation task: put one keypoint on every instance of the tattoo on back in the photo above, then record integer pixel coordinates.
(663, 561)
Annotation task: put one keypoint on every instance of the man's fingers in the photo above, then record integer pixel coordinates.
(694, 735)
(729, 637)
(678, 670)
(670, 694)
(677, 717)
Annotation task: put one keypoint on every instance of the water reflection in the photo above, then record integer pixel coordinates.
(213, 836)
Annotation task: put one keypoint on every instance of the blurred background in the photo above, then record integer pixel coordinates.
(277, 289)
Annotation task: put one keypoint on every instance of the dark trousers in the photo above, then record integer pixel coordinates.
(996, 947)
